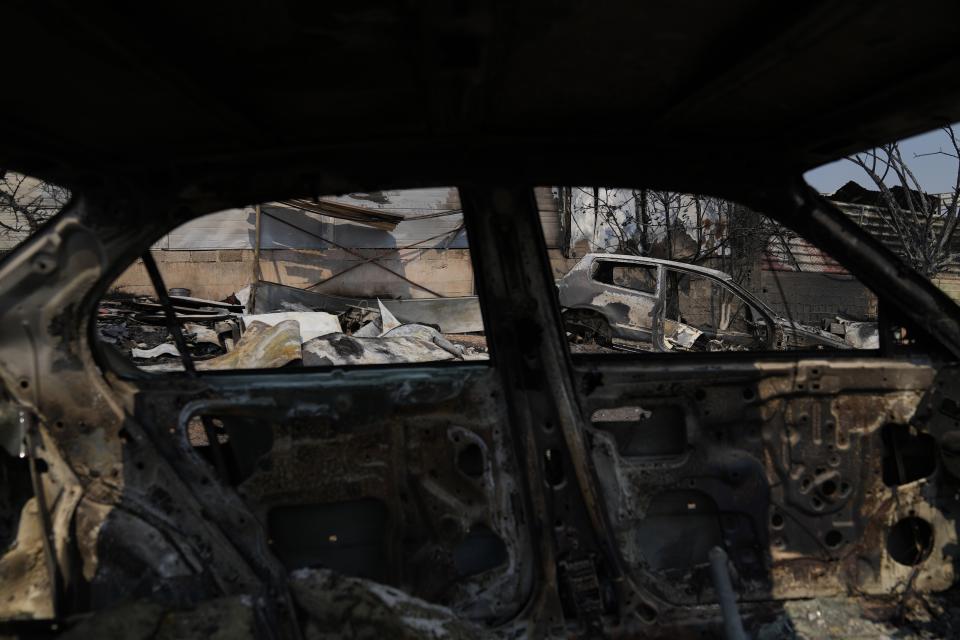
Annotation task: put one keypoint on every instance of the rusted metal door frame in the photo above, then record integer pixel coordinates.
(528, 346)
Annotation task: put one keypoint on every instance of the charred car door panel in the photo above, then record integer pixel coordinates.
(781, 463)
(418, 494)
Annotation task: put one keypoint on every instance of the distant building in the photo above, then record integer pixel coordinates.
(389, 244)
(867, 208)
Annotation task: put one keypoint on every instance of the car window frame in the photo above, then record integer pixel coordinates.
(632, 265)
(655, 295)
(119, 364)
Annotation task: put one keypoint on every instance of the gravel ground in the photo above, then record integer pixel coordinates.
(467, 340)
(912, 618)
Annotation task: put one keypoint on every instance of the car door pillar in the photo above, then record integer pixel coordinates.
(527, 343)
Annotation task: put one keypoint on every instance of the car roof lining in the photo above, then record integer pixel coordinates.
(712, 92)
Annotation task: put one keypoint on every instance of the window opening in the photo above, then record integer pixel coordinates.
(649, 270)
(26, 203)
(360, 279)
(906, 194)
(636, 277)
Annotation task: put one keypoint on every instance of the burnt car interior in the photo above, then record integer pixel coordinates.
(544, 491)
(714, 309)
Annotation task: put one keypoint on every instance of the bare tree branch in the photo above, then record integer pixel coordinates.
(26, 203)
(925, 225)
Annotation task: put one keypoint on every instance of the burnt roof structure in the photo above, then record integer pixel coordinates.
(853, 193)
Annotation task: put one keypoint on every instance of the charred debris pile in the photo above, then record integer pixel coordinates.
(221, 335)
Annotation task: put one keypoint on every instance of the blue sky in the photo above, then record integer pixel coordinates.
(937, 174)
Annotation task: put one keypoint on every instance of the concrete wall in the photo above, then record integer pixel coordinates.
(812, 296)
(215, 274)
(950, 284)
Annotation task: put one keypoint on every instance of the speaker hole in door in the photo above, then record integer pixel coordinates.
(470, 460)
(910, 541)
(646, 613)
(833, 539)
(553, 467)
(828, 488)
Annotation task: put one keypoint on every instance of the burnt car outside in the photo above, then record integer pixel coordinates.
(610, 297)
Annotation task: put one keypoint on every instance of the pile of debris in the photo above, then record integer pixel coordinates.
(221, 335)
(138, 326)
(857, 334)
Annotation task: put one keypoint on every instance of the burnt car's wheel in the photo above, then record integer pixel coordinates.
(587, 327)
